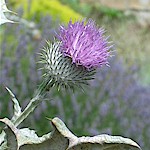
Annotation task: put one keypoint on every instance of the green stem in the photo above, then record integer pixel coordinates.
(33, 103)
(30, 108)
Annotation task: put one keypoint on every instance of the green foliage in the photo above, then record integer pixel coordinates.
(94, 9)
(83, 8)
(47, 7)
(110, 12)
(100, 11)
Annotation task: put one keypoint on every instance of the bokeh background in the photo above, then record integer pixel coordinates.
(117, 102)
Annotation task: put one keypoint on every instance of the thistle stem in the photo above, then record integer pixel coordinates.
(30, 108)
(34, 102)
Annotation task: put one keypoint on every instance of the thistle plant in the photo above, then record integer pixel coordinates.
(70, 61)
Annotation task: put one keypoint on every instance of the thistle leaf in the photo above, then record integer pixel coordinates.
(103, 142)
(62, 139)
(10, 136)
(100, 142)
(26, 139)
(17, 108)
(3, 10)
(4, 7)
(2, 137)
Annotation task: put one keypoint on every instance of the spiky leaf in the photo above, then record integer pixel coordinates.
(17, 108)
(62, 139)
(3, 10)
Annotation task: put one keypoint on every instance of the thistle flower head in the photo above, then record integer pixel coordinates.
(85, 43)
(72, 61)
(59, 69)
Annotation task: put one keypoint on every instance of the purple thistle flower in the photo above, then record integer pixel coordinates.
(85, 43)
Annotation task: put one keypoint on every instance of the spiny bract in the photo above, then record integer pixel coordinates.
(60, 70)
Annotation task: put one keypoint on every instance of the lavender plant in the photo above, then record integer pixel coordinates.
(66, 63)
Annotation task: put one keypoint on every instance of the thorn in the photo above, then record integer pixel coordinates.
(48, 118)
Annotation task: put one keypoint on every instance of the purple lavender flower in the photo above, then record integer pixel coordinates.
(85, 43)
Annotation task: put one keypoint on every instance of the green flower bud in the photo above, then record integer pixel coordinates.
(59, 69)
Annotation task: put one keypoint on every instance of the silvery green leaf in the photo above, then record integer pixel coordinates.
(17, 108)
(3, 10)
(3, 146)
(2, 137)
(100, 142)
(103, 142)
(25, 139)
(4, 7)
(51, 141)
(10, 136)
(62, 139)
(3, 19)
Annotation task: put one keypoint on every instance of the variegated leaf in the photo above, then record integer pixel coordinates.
(3, 10)
(17, 108)
(62, 139)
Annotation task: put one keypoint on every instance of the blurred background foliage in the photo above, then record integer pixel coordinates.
(119, 99)
(38, 8)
